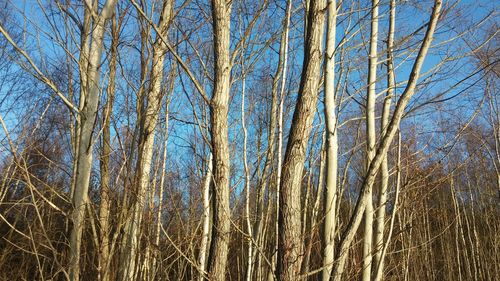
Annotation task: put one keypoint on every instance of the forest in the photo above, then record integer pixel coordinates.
(250, 140)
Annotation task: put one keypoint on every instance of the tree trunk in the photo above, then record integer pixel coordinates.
(221, 16)
(202, 259)
(289, 223)
(146, 141)
(104, 209)
(393, 126)
(330, 198)
(89, 99)
(370, 140)
(384, 169)
(283, 57)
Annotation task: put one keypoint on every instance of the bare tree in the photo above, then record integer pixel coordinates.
(290, 241)
(219, 106)
(105, 206)
(90, 57)
(370, 139)
(378, 265)
(355, 220)
(147, 136)
(331, 192)
(192, 181)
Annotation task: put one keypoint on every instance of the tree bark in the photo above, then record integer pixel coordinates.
(370, 140)
(202, 258)
(330, 198)
(393, 126)
(384, 169)
(104, 209)
(221, 16)
(89, 99)
(148, 131)
(289, 223)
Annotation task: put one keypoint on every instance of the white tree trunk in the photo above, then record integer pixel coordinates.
(283, 56)
(250, 248)
(150, 118)
(369, 179)
(330, 198)
(384, 169)
(202, 259)
(370, 140)
(89, 99)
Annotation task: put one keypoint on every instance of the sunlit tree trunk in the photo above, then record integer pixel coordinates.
(202, 258)
(384, 169)
(89, 100)
(355, 220)
(149, 120)
(283, 62)
(379, 270)
(104, 208)
(330, 197)
(250, 248)
(289, 223)
(370, 140)
(219, 104)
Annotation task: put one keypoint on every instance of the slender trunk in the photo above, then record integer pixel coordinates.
(202, 260)
(161, 191)
(217, 261)
(104, 209)
(384, 168)
(495, 121)
(82, 66)
(289, 223)
(330, 198)
(379, 266)
(371, 174)
(266, 173)
(247, 175)
(147, 136)
(283, 56)
(89, 99)
(370, 140)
